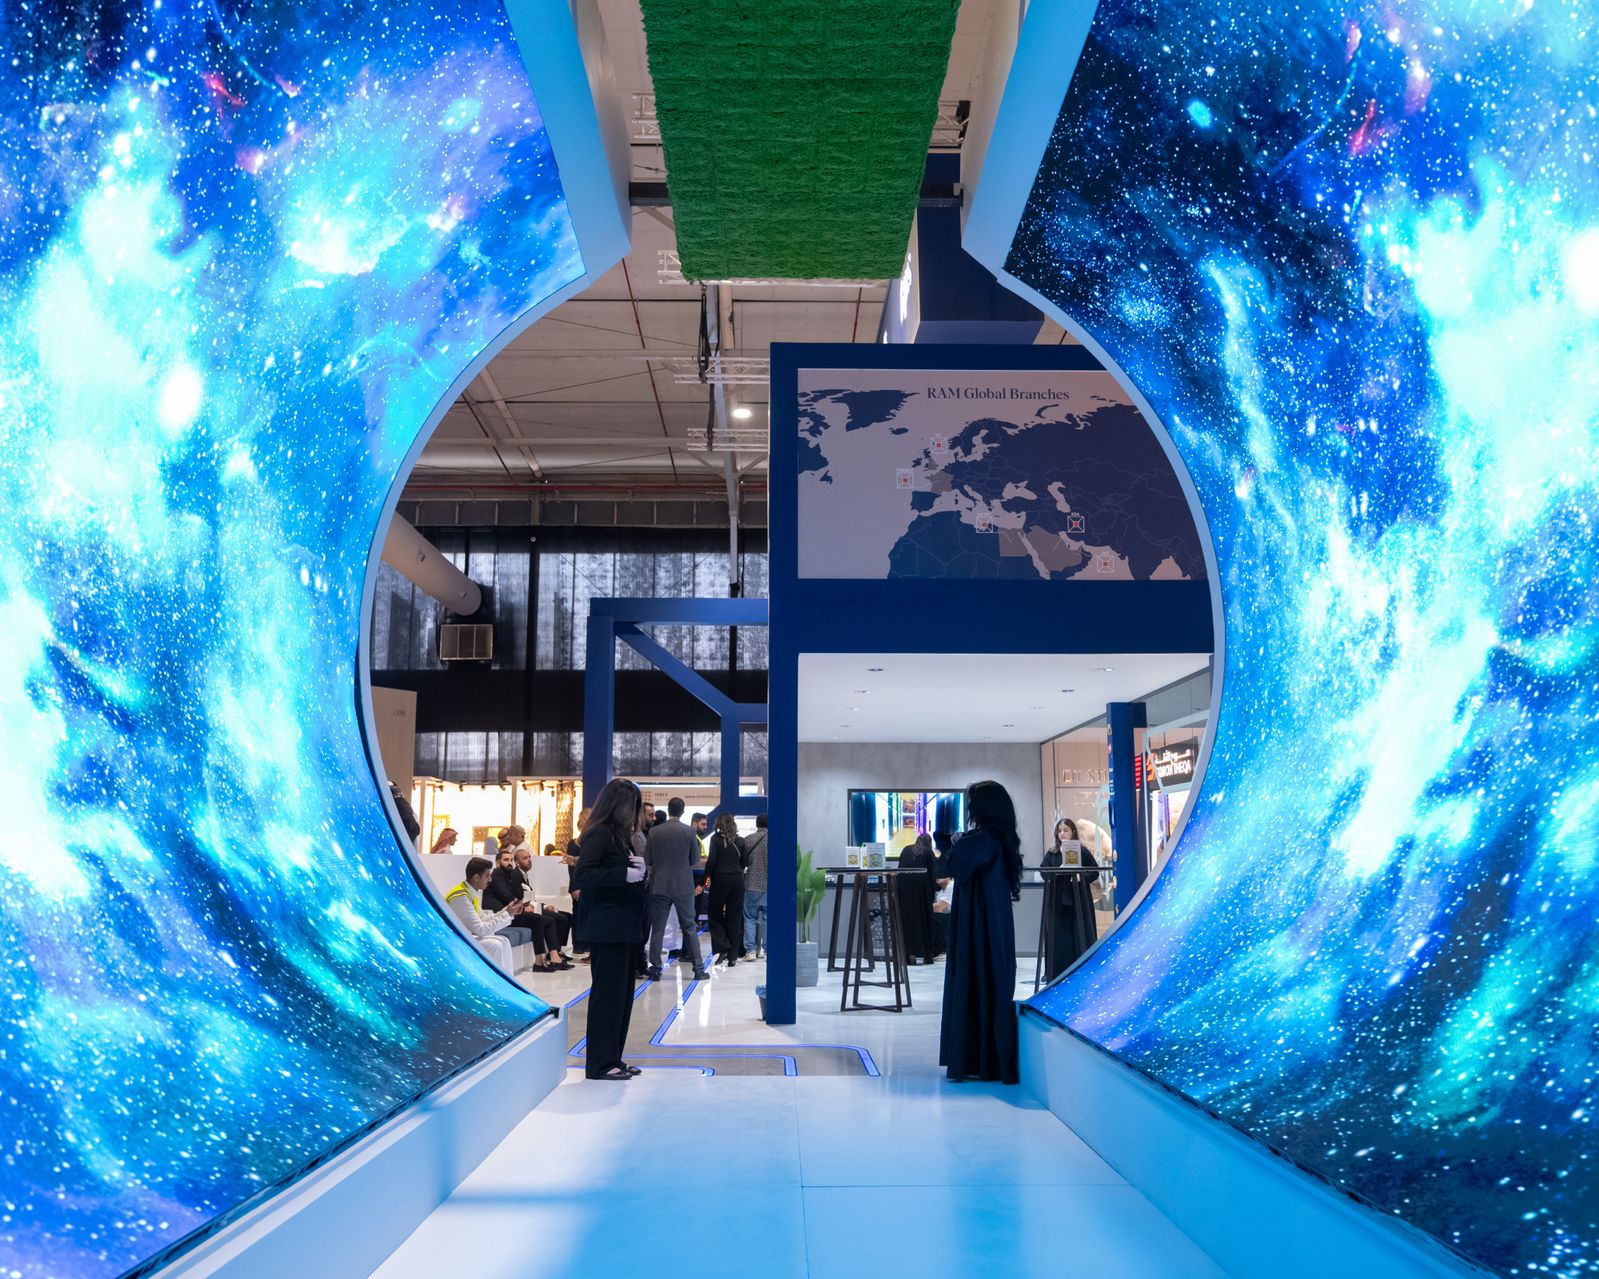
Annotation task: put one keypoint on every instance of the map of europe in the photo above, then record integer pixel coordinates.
(927, 474)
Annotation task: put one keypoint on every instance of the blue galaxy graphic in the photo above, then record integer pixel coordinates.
(245, 249)
(1350, 253)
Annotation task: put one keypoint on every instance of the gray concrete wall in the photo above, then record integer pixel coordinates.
(828, 771)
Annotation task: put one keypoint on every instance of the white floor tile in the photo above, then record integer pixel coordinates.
(828, 1176)
(959, 1232)
(872, 1133)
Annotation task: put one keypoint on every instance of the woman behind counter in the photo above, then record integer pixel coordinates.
(916, 901)
(1072, 927)
(978, 1035)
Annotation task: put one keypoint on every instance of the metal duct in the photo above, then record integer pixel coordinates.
(412, 554)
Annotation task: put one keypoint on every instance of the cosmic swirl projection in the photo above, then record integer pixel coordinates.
(1350, 254)
(246, 248)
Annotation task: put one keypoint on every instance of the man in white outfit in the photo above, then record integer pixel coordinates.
(494, 934)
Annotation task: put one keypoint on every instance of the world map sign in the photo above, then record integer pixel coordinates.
(1051, 474)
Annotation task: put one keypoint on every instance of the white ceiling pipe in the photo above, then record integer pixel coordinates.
(413, 555)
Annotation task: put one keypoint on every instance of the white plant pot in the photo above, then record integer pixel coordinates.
(806, 964)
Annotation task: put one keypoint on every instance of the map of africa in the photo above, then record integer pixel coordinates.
(929, 474)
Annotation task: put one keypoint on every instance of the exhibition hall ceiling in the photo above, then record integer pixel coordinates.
(602, 397)
(964, 697)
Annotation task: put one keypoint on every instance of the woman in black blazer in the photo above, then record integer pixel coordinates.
(610, 877)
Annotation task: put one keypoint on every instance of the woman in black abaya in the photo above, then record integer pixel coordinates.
(1072, 927)
(916, 901)
(978, 1039)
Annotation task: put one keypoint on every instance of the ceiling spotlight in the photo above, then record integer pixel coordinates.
(1035, 708)
(1068, 690)
(1007, 726)
(854, 708)
(874, 669)
(861, 691)
(743, 414)
(1107, 669)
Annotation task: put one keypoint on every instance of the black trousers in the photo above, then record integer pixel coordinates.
(610, 1004)
(557, 927)
(727, 915)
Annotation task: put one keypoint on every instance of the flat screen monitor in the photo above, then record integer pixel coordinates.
(897, 817)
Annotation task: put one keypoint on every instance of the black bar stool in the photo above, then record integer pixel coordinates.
(873, 891)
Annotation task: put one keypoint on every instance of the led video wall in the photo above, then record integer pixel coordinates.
(246, 249)
(1350, 253)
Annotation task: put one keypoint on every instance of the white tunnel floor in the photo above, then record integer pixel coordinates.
(824, 1175)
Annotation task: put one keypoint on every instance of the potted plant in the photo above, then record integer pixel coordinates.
(809, 888)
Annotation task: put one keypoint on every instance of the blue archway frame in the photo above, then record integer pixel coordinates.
(619, 619)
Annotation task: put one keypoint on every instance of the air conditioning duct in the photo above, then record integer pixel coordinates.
(418, 559)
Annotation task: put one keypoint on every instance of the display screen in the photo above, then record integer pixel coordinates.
(1014, 474)
(1350, 254)
(246, 249)
(896, 817)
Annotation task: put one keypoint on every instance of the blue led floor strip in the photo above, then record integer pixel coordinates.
(658, 1040)
(576, 1050)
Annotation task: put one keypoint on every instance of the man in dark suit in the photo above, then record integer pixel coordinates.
(672, 856)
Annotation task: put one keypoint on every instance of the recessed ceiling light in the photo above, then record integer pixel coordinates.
(1068, 690)
(1107, 669)
(1007, 726)
(862, 691)
(1035, 708)
(743, 414)
(874, 669)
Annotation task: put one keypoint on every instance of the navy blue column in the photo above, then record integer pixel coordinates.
(1126, 800)
(599, 704)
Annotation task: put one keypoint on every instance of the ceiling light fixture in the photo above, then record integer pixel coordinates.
(743, 414)
(874, 669)
(1107, 669)
(1068, 690)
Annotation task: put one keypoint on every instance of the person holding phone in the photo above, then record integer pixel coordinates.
(610, 877)
(496, 933)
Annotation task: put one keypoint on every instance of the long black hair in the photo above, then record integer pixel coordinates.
(989, 807)
(617, 807)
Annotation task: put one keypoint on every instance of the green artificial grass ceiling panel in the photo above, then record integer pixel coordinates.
(796, 131)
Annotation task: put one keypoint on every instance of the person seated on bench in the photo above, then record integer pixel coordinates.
(557, 922)
(495, 934)
(508, 886)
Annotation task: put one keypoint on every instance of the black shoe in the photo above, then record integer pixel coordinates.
(673, 955)
(653, 974)
(632, 1070)
(701, 975)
